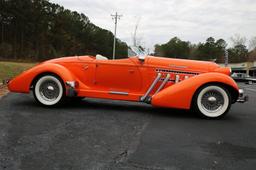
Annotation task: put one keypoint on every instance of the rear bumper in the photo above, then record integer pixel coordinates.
(71, 91)
(242, 98)
(6, 81)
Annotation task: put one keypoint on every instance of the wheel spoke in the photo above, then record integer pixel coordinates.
(212, 101)
(49, 90)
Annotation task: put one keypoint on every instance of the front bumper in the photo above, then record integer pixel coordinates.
(242, 98)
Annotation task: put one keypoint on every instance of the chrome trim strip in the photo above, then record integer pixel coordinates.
(163, 83)
(151, 87)
(176, 66)
(177, 78)
(119, 93)
(175, 71)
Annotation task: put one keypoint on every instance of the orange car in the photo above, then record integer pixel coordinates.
(161, 82)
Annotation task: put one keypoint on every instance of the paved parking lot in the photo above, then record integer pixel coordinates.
(104, 134)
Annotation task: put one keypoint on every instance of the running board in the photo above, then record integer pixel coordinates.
(119, 93)
(145, 96)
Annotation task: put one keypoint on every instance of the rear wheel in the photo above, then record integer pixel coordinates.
(212, 101)
(49, 90)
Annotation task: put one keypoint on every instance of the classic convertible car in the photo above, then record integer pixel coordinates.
(162, 82)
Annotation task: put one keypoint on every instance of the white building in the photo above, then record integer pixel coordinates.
(244, 67)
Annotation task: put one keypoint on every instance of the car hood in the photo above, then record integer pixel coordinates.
(71, 59)
(182, 64)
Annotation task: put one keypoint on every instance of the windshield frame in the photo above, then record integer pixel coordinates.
(138, 52)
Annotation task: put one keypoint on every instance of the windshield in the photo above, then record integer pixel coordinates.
(136, 51)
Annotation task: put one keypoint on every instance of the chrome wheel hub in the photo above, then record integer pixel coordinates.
(212, 101)
(49, 90)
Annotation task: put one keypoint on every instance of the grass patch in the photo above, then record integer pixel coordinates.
(12, 69)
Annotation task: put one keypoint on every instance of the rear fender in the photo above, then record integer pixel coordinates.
(22, 82)
(181, 94)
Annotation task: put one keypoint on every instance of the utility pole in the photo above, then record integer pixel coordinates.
(115, 18)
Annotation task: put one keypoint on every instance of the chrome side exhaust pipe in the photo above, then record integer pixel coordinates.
(177, 78)
(145, 96)
(163, 83)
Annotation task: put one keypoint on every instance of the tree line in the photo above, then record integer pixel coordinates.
(211, 49)
(39, 30)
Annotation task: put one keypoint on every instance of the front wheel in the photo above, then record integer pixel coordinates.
(48, 90)
(212, 101)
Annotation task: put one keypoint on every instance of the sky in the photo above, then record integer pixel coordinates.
(160, 20)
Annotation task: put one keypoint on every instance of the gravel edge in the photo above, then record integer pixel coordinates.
(2, 87)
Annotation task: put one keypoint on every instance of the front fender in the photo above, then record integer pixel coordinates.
(22, 82)
(180, 95)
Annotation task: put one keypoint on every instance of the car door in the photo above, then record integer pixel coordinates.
(117, 76)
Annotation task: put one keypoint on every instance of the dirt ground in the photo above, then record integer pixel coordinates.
(3, 90)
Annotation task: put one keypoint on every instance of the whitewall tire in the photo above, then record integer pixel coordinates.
(48, 90)
(212, 101)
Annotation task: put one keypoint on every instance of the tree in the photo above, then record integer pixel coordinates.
(252, 47)
(252, 44)
(40, 30)
(210, 50)
(239, 53)
(237, 39)
(175, 48)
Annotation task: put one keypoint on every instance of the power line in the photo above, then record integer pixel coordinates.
(115, 17)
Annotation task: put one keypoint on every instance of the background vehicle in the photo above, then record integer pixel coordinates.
(163, 82)
(242, 77)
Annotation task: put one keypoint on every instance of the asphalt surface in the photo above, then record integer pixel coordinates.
(103, 134)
